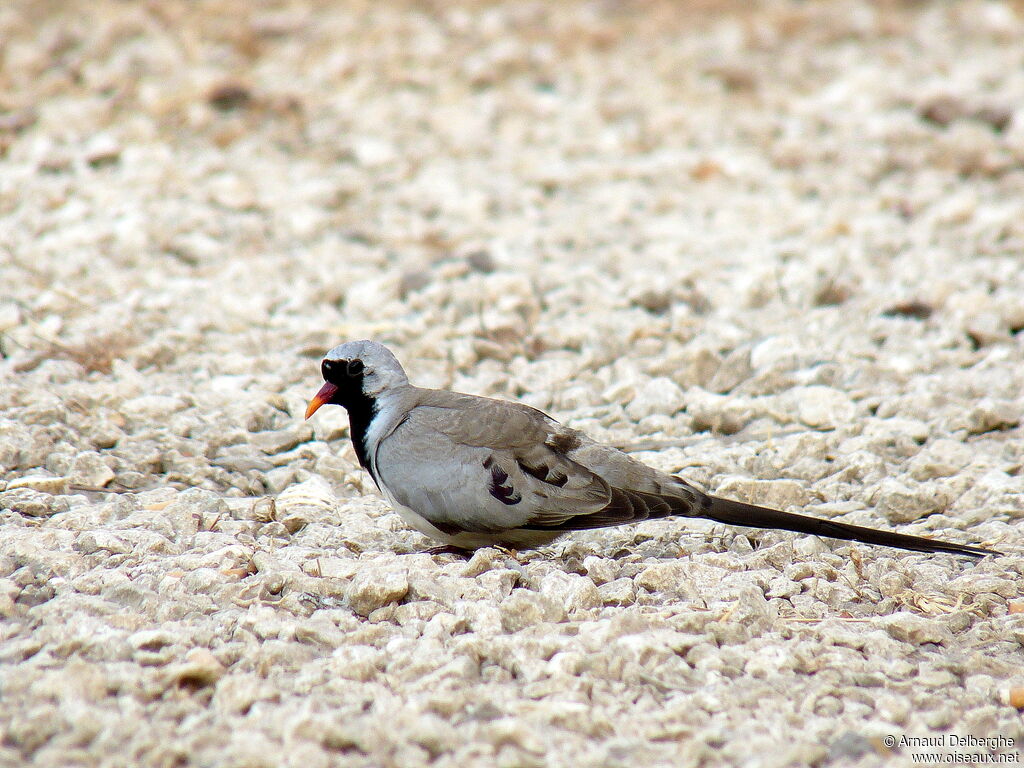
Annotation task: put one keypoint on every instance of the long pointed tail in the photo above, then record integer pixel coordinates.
(738, 513)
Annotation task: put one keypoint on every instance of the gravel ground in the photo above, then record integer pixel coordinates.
(775, 248)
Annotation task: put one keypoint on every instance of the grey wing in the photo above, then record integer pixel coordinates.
(459, 484)
(473, 464)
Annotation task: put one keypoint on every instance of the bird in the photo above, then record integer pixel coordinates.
(472, 471)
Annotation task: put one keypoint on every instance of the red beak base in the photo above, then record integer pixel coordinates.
(324, 396)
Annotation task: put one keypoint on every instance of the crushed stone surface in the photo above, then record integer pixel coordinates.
(775, 248)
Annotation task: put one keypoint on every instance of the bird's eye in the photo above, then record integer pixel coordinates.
(332, 370)
(355, 367)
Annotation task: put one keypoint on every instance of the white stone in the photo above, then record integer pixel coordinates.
(823, 407)
(657, 396)
(374, 586)
(904, 503)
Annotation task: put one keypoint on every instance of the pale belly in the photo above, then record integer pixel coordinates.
(468, 539)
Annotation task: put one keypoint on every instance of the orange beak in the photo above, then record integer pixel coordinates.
(327, 391)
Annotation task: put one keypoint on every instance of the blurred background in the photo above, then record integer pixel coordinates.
(556, 202)
(516, 194)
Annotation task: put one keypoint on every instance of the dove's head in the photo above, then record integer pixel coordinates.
(355, 372)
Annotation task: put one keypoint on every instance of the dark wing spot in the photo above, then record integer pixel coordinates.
(564, 441)
(500, 488)
(544, 474)
(540, 473)
(557, 478)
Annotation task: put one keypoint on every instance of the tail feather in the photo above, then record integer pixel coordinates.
(739, 513)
